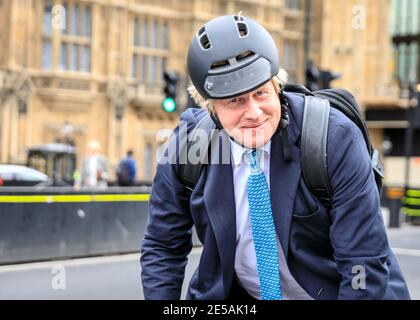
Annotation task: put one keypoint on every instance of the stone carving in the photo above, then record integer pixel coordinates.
(16, 84)
(118, 95)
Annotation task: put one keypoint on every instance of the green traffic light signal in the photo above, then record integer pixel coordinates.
(169, 104)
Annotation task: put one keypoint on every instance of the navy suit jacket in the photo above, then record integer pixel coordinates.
(327, 251)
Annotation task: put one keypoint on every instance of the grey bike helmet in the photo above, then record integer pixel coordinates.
(231, 55)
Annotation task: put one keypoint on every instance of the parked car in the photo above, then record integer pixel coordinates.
(16, 175)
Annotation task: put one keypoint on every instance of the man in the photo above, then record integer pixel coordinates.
(94, 173)
(126, 171)
(264, 234)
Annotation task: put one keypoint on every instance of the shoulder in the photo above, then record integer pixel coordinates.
(187, 122)
(337, 120)
(341, 128)
(193, 115)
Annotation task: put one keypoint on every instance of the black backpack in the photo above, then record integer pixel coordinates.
(123, 173)
(314, 129)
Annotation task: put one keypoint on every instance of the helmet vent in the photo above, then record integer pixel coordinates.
(219, 64)
(204, 41)
(244, 55)
(201, 31)
(242, 28)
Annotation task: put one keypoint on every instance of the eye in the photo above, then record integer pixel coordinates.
(261, 93)
(235, 100)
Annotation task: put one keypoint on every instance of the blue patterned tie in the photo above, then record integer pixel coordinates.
(263, 230)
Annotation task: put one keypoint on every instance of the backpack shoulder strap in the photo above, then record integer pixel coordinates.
(314, 147)
(190, 172)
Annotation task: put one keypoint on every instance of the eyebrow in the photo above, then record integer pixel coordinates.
(264, 87)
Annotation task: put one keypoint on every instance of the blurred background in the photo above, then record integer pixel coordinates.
(88, 86)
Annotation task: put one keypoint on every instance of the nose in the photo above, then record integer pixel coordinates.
(253, 110)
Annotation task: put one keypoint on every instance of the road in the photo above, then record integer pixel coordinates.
(405, 242)
(118, 277)
(109, 277)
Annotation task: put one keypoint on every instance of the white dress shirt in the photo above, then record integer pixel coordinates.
(245, 256)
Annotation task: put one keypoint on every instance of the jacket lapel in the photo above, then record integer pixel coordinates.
(284, 179)
(219, 199)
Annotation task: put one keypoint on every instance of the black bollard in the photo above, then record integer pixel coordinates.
(394, 213)
(394, 196)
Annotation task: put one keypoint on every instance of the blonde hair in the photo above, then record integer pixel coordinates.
(278, 81)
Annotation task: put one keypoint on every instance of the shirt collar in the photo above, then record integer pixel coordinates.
(238, 151)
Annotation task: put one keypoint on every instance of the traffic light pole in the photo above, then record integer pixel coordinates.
(408, 145)
(409, 134)
(307, 33)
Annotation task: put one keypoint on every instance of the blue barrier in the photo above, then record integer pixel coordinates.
(57, 223)
(48, 223)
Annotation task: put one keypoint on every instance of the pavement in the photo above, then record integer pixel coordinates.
(405, 243)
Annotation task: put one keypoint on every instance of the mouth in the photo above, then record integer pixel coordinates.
(255, 126)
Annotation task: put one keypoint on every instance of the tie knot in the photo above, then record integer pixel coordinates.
(253, 157)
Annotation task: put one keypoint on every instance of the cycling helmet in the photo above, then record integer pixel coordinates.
(231, 55)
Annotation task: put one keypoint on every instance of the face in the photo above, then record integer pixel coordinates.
(252, 118)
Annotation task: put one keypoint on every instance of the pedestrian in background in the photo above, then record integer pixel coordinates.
(94, 172)
(126, 170)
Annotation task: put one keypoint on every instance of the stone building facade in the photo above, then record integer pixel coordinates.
(81, 70)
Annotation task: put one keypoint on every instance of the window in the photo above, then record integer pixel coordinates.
(408, 63)
(144, 60)
(290, 60)
(148, 161)
(405, 17)
(406, 29)
(136, 35)
(47, 54)
(76, 38)
(165, 39)
(150, 44)
(413, 63)
(47, 36)
(74, 35)
(154, 43)
(292, 4)
(144, 34)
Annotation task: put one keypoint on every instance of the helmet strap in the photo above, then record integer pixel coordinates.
(216, 120)
(284, 105)
(284, 126)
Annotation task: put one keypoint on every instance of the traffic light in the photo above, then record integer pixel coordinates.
(327, 77)
(317, 79)
(312, 74)
(171, 79)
